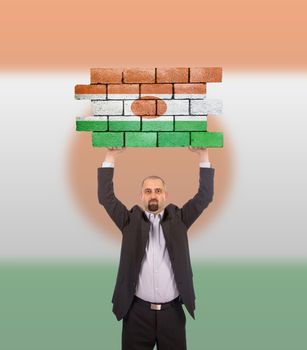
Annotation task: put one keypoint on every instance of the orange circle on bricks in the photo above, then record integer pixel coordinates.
(149, 107)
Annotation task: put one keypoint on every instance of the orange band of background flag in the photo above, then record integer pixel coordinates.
(237, 34)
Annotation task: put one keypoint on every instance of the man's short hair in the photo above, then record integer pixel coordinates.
(154, 177)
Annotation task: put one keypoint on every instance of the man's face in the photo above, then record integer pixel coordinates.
(153, 195)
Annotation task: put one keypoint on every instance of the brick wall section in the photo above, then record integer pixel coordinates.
(156, 75)
(150, 107)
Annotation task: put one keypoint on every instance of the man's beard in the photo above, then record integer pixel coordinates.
(153, 206)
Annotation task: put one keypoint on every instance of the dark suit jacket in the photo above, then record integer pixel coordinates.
(135, 225)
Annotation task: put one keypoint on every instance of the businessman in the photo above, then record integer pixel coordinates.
(155, 276)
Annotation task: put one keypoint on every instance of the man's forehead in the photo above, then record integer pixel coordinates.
(153, 183)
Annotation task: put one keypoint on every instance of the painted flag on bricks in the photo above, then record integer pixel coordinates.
(150, 107)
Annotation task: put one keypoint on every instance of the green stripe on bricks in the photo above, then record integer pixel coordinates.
(107, 139)
(91, 125)
(124, 126)
(190, 125)
(164, 123)
(173, 139)
(207, 139)
(141, 139)
(157, 126)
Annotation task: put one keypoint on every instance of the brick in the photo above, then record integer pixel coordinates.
(91, 123)
(90, 92)
(173, 75)
(107, 107)
(124, 123)
(179, 107)
(145, 106)
(106, 75)
(139, 75)
(206, 74)
(90, 97)
(207, 139)
(173, 139)
(206, 106)
(107, 139)
(190, 123)
(158, 124)
(164, 91)
(90, 89)
(191, 91)
(140, 139)
(123, 91)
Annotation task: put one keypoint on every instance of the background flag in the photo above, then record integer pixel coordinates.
(59, 250)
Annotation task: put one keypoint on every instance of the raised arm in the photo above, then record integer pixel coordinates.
(192, 209)
(114, 207)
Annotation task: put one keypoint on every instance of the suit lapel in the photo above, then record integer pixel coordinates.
(165, 223)
(145, 226)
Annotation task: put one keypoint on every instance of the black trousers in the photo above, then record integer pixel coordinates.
(143, 328)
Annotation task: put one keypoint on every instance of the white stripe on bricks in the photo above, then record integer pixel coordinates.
(206, 106)
(107, 107)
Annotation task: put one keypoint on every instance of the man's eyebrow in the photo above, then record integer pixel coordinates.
(156, 188)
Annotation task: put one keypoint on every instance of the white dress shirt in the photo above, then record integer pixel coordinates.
(156, 281)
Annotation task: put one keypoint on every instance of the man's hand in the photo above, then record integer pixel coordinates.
(112, 153)
(202, 152)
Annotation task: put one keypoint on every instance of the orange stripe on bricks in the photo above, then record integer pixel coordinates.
(139, 75)
(123, 91)
(106, 75)
(186, 90)
(160, 90)
(85, 92)
(173, 75)
(174, 96)
(210, 75)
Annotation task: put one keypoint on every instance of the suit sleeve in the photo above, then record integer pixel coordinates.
(192, 209)
(114, 207)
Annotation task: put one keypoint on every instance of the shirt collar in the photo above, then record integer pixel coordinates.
(148, 213)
